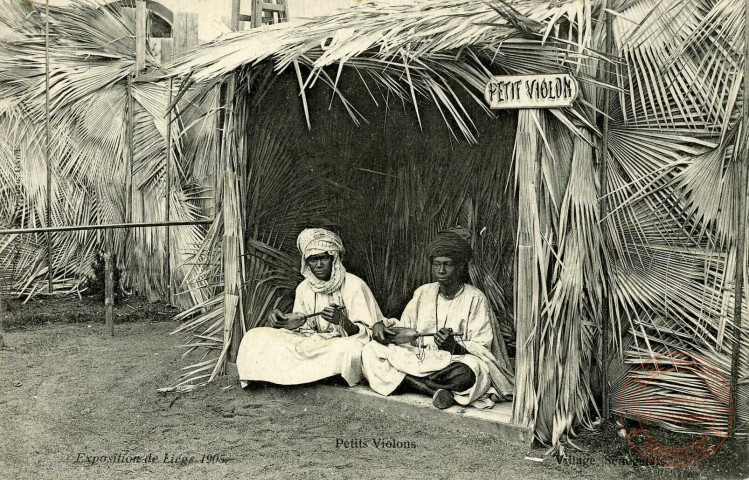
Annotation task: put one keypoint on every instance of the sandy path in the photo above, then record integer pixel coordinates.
(84, 395)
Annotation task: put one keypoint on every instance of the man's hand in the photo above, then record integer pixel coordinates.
(289, 321)
(277, 319)
(381, 334)
(445, 340)
(334, 314)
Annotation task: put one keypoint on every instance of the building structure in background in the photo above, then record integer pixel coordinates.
(214, 16)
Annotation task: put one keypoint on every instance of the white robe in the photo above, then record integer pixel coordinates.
(317, 349)
(470, 314)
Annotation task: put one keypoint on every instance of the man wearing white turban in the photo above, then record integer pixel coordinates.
(299, 348)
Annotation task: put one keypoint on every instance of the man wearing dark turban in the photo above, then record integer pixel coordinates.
(452, 244)
(452, 359)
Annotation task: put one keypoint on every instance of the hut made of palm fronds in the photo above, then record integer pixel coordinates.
(656, 271)
(660, 263)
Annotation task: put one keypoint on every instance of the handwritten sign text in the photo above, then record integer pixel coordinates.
(531, 91)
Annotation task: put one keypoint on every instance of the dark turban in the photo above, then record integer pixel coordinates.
(452, 244)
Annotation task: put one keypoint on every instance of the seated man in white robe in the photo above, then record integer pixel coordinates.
(458, 357)
(298, 348)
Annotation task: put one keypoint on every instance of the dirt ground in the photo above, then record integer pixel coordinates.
(76, 404)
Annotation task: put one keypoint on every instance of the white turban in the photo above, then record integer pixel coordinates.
(314, 241)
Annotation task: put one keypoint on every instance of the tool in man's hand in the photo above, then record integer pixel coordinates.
(310, 315)
(408, 335)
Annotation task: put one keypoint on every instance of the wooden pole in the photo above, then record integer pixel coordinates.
(141, 17)
(217, 181)
(3, 309)
(537, 160)
(108, 293)
(257, 13)
(604, 208)
(141, 14)
(129, 146)
(167, 214)
(232, 328)
(526, 272)
(185, 31)
(234, 15)
(286, 14)
(130, 159)
(741, 225)
(232, 283)
(47, 149)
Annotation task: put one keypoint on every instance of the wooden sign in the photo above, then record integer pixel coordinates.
(531, 91)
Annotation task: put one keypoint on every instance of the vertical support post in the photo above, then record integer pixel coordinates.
(185, 32)
(234, 21)
(604, 209)
(219, 91)
(108, 293)
(167, 49)
(129, 117)
(741, 225)
(168, 194)
(47, 148)
(526, 291)
(141, 15)
(232, 329)
(232, 229)
(287, 16)
(537, 163)
(3, 309)
(257, 13)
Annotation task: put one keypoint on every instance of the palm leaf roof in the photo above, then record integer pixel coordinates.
(428, 49)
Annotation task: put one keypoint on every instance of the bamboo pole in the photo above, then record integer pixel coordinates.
(46, 148)
(105, 226)
(604, 208)
(741, 226)
(168, 203)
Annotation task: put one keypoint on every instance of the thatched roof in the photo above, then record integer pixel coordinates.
(426, 48)
(422, 28)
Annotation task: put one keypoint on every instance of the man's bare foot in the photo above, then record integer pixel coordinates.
(443, 399)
